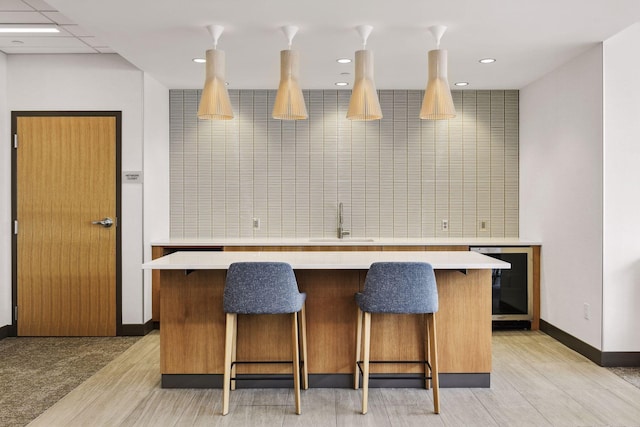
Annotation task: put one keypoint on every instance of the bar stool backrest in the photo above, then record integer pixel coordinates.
(399, 287)
(261, 288)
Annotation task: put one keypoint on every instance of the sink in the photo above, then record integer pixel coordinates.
(344, 240)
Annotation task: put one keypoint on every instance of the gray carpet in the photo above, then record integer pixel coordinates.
(37, 372)
(631, 375)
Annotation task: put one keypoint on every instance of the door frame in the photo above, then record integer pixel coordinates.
(14, 205)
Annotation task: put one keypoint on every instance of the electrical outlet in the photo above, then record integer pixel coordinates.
(256, 223)
(587, 311)
(483, 225)
(445, 225)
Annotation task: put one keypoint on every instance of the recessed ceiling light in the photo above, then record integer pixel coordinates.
(461, 83)
(487, 60)
(199, 60)
(343, 60)
(342, 84)
(29, 28)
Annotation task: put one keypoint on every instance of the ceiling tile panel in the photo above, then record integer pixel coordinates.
(39, 5)
(23, 18)
(58, 18)
(14, 5)
(47, 50)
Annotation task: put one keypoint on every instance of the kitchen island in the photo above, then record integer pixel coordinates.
(192, 320)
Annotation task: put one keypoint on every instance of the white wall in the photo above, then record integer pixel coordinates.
(621, 282)
(156, 173)
(5, 197)
(90, 82)
(561, 128)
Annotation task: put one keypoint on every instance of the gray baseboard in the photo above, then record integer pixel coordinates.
(134, 330)
(475, 380)
(606, 359)
(126, 330)
(7, 331)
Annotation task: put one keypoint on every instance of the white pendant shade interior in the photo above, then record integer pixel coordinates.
(289, 104)
(364, 103)
(214, 102)
(437, 103)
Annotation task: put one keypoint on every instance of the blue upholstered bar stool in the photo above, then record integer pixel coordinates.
(263, 288)
(400, 288)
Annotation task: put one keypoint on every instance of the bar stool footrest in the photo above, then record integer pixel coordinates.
(394, 377)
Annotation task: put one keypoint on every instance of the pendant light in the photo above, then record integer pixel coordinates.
(437, 103)
(364, 103)
(289, 104)
(214, 102)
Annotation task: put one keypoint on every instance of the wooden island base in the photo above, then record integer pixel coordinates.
(192, 331)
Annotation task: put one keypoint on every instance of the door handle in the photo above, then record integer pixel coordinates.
(106, 222)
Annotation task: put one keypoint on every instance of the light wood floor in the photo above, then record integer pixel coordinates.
(535, 381)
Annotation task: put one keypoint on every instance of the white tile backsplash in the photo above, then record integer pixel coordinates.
(397, 177)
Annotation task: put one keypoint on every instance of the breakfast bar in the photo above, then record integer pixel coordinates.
(192, 319)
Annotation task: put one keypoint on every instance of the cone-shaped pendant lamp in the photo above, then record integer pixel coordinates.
(437, 103)
(289, 103)
(364, 103)
(214, 102)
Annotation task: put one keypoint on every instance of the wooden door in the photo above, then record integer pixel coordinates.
(66, 265)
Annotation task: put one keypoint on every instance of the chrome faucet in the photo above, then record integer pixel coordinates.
(341, 231)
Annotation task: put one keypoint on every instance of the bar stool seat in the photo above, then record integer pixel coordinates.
(397, 288)
(263, 288)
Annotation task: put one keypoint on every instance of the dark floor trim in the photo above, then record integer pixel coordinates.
(605, 359)
(479, 380)
(621, 358)
(137, 329)
(7, 331)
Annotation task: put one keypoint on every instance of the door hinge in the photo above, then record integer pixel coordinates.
(15, 313)
(15, 226)
(15, 140)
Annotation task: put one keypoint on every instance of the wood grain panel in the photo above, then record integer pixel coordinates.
(331, 318)
(464, 321)
(192, 322)
(447, 248)
(156, 252)
(193, 325)
(464, 328)
(66, 177)
(535, 322)
(339, 248)
(300, 248)
(425, 248)
(403, 248)
(264, 337)
(263, 248)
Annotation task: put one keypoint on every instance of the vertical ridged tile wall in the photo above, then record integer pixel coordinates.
(397, 177)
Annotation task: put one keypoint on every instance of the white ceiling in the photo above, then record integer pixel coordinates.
(71, 39)
(527, 37)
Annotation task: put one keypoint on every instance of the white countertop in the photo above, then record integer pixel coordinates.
(330, 260)
(347, 241)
